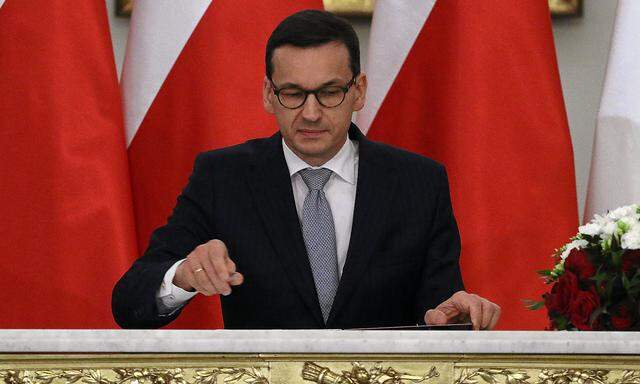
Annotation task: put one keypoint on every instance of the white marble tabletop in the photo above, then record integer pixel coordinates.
(318, 341)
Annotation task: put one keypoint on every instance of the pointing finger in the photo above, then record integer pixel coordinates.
(487, 313)
(475, 312)
(435, 317)
(495, 316)
(236, 278)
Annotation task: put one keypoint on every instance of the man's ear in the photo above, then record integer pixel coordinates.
(267, 95)
(361, 91)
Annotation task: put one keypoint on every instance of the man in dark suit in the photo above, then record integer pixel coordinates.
(314, 227)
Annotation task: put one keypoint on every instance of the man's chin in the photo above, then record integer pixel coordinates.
(314, 151)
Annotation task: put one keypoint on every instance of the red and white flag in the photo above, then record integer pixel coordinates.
(615, 165)
(475, 85)
(192, 81)
(67, 231)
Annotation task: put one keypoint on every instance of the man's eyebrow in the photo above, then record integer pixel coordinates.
(335, 81)
(289, 85)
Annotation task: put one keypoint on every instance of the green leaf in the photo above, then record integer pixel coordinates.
(544, 272)
(634, 291)
(625, 282)
(533, 305)
(609, 287)
(635, 279)
(616, 258)
(561, 323)
(600, 276)
(624, 227)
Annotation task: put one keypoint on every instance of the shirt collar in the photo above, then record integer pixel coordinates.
(342, 164)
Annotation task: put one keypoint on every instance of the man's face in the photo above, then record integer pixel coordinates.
(313, 132)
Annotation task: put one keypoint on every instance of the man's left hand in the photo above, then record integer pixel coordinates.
(462, 307)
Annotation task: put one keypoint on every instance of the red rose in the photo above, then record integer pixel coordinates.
(631, 260)
(623, 318)
(581, 308)
(578, 262)
(562, 292)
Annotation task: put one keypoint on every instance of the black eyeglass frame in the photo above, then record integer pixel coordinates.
(307, 92)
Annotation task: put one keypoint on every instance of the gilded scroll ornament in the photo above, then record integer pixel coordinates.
(491, 376)
(629, 377)
(360, 375)
(234, 375)
(11, 377)
(548, 376)
(230, 375)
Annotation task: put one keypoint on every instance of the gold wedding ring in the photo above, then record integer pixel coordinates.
(198, 270)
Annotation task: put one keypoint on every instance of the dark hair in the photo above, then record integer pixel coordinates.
(312, 28)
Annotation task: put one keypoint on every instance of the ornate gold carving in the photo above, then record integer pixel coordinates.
(350, 7)
(629, 377)
(133, 376)
(11, 377)
(365, 7)
(565, 7)
(491, 375)
(360, 375)
(548, 376)
(250, 375)
(327, 369)
(94, 376)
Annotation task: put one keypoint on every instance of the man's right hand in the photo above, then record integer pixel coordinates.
(208, 270)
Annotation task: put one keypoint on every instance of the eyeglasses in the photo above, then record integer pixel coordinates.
(330, 96)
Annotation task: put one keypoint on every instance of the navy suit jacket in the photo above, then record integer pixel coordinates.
(402, 257)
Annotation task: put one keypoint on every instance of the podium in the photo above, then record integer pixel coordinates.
(313, 356)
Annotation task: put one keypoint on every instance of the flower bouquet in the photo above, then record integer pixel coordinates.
(595, 283)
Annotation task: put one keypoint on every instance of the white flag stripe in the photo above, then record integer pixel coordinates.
(388, 51)
(159, 31)
(621, 93)
(1, 2)
(615, 163)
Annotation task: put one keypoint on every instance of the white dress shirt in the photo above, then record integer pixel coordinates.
(340, 192)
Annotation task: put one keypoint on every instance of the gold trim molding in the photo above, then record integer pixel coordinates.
(229, 375)
(548, 376)
(364, 8)
(319, 368)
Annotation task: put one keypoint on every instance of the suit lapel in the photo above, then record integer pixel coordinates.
(376, 182)
(270, 185)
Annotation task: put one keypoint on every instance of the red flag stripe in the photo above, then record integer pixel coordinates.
(480, 92)
(67, 231)
(211, 98)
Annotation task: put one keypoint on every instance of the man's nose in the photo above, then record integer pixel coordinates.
(311, 109)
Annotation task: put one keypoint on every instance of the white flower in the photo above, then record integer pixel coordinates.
(631, 239)
(600, 220)
(575, 244)
(626, 211)
(627, 224)
(591, 229)
(609, 229)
